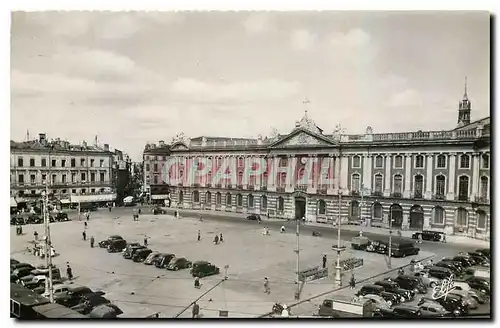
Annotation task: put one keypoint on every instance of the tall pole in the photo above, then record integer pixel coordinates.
(361, 210)
(297, 251)
(49, 242)
(338, 280)
(196, 300)
(390, 238)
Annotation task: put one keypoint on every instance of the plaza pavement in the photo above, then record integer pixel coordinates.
(141, 290)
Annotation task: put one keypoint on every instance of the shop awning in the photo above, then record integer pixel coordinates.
(13, 202)
(93, 198)
(160, 196)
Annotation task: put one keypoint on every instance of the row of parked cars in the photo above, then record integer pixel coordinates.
(400, 247)
(140, 253)
(471, 286)
(79, 298)
(32, 218)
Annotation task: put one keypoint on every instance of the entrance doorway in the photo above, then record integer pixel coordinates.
(396, 215)
(417, 218)
(300, 207)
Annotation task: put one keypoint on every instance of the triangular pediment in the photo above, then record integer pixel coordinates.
(179, 146)
(303, 138)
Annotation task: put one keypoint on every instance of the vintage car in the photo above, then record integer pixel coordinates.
(428, 235)
(158, 210)
(141, 255)
(254, 217)
(360, 243)
(179, 263)
(61, 217)
(129, 252)
(105, 243)
(432, 309)
(163, 260)
(203, 269)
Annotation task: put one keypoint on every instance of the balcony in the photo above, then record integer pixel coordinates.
(464, 198)
(263, 188)
(439, 197)
(250, 187)
(397, 195)
(280, 189)
(218, 185)
(418, 195)
(377, 193)
(322, 190)
(208, 185)
(240, 186)
(481, 200)
(301, 188)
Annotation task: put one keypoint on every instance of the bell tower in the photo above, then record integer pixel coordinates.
(464, 107)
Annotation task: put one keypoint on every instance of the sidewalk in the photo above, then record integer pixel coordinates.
(382, 231)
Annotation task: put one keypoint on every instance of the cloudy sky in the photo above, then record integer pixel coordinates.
(133, 78)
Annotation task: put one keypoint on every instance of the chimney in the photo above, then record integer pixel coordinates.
(42, 137)
(106, 147)
(162, 143)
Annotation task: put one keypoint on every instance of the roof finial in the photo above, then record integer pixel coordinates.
(465, 91)
(305, 102)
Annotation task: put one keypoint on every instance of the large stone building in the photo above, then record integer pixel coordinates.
(154, 159)
(436, 180)
(122, 175)
(74, 173)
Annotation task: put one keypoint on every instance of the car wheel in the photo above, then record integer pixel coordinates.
(176, 268)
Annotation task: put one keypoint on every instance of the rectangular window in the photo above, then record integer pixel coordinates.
(441, 162)
(83, 177)
(73, 177)
(33, 179)
(101, 163)
(484, 188)
(44, 162)
(20, 161)
(155, 179)
(464, 161)
(91, 162)
(155, 167)
(32, 162)
(440, 185)
(101, 177)
(379, 181)
(147, 167)
(419, 161)
(63, 178)
(398, 184)
(379, 162)
(355, 183)
(92, 177)
(44, 178)
(419, 186)
(398, 162)
(73, 162)
(63, 163)
(53, 163)
(82, 161)
(486, 161)
(92, 190)
(54, 178)
(356, 162)
(240, 162)
(73, 191)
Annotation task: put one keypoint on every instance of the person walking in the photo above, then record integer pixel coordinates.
(196, 310)
(220, 238)
(92, 240)
(444, 237)
(88, 215)
(267, 289)
(201, 217)
(324, 261)
(139, 211)
(199, 235)
(84, 235)
(69, 272)
(352, 282)
(216, 240)
(145, 240)
(35, 235)
(197, 283)
(85, 224)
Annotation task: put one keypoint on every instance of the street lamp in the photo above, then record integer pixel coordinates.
(362, 191)
(338, 248)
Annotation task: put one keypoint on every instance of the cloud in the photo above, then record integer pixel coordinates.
(121, 27)
(255, 91)
(352, 38)
(302, 40)
(405, 99)
(257, 23)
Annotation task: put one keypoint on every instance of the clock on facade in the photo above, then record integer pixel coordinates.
(303, 160)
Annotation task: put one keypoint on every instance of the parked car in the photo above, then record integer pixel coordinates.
(480, 258)
(19, 273)
(384, 313)
(42, 270)
(466, 261)
(21, 265)
(203, 269)
(61, 217)
(392, 287)
(254, 217)
(16, 220)
(451, 303)
(34, 219)
(105, 243)
(129, 253)
(440, 272)
(86, 207)
(466, 298)
(129, 246)
(59, 291)
(406, 311)
(379, 302)
(141, 254)
(179, 263)
(427, 280)
(158, 210)
(459, 269)
(13, 262)
(433, 309)
(410, 283)
(117, 245)
(450, 266)
(360, 243)
(89, 302)
(163, 260)
(485, 251)
(428, 235)
(390, 297)
(370, 289)
(151, 257)
(481, 284)
(77, 295)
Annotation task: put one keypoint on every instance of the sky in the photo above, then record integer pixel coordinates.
(133, 78)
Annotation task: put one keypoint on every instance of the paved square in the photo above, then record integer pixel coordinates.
(141, 290)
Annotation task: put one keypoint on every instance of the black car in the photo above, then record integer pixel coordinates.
(465, 260)
(410, 283)
(163, 260)
(406, 311)
(16, 220)
(440, 272)
(203, 269)
(13, 262)
(78, 295)
(179, 263)
(117, 245)
(391, 297)
(480, 258)
(19, 273)
(61, 217)
(86, 207)
(89, 302)
(34, 219)
(129, 253)
(456, 264)
(158, 210)
(428, 235)
(21, 265)
(451, 303)
(481, 284)
(392, 287)
(370, 289)
(485, 251)
(141, 254)
(105, 243)
(384, 313)
(254, 217)
(450, 266)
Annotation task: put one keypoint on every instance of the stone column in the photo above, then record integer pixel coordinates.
(312, 165)
(452, 165)
(291, 174)
(367, 172)
(407, 182)
(271, 184)
(331, 171)
(429, 176)
(387, 184)
(246, 177)
(475, 176)
(337, 173)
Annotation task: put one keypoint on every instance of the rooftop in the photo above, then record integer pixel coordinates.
(43, 144)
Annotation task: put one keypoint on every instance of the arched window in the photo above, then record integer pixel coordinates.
(379, 183)
(228, 199)
(218, 198)
(419, 186)
(419, 161)
(464, 161)
(377, 212)
(252, 180)
(481, 219)
(484, 188)
(239, 200)
(398, 184)
(250, 201)
(440, 186)
(355, 213)
(356, 162)
(438, 215)
(379, 162)
(462, 217)
(263, 202)
(282, 180)
(196, 196)
(181, 197)
(209, 178)
(441, 162)
(265, 176)
(321, 207)
(280, 204)
(301, 179)
(240, 178)
(398, 162)
(208, 197)
(463, 188)
(355, 182)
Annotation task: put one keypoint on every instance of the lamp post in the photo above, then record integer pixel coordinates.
(46, 221)
(338, 278)
(362, 191)
(390, 239)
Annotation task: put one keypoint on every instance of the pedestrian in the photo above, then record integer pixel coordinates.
(401, 272)
(444, 237)
(220, 238)
(85, 223)
(35, 234)
(92, 240)
(145, 240)
(420, 238)
(196, 310)
(175, 214)
(324, 261)
(267, 289)
(87, 215)
(139, 211)
(201, 217)
(84, 235)
(352, 282)
(197, 283)
(109, 207)
(216, 240)
(69, 272)
(285, 313)
(199, 235)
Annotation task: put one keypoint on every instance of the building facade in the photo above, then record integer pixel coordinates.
(154, 159)
(122, 175)
(437, 180)
(73, 173)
